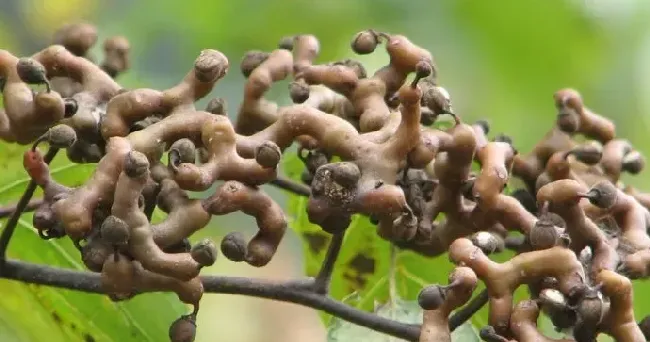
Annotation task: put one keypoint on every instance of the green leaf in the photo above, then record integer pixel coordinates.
(399, 310)
(39, 313)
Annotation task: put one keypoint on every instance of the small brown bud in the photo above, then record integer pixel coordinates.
(251, 60)
(136, 164)
(61, 136)
(589, 153)
(70, 106)
(183, 329)
(364, 42)
(93, 255)
(185, 150)
(268, 154)
(568, 122)
(487, 242)
(345, 173)
(286, 43)
(299, 91)
(204, 252)
(115, 231)
(217, 106)
(210, 65)
(590, 309)
(543, 235)
(31, 71)
(233, 247)
(77, 38)
(603, 194)
(423, 69)
(431, 297)
(633, 162)
(117, 44)
(438, 100)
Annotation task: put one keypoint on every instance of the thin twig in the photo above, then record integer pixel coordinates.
(392, 277)
(392, 285)
(90, 282)
(8, 232)
(10, 227)
(466, 312)
(322, 280)
(291, 186)
(31, 206)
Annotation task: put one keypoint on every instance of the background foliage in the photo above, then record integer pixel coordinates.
(499, 60)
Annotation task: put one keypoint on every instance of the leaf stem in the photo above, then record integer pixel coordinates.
(9, 229)
(392, 278)
(322, 281)
(392, 284)
(466, 312)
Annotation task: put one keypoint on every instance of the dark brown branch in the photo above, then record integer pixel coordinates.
(466, 312)
(277, 291)
(31, 206)
(322, 281)
(50, 276)
(291, 186)
(281, 291)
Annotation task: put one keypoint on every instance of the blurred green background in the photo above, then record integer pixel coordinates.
(500, 60)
